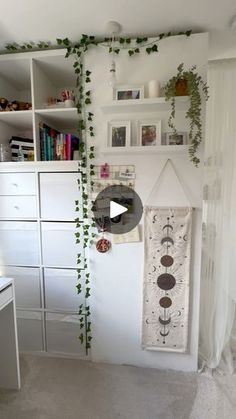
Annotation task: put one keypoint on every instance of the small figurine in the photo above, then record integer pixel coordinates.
(3, 104)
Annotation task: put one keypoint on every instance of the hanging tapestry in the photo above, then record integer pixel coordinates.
(166, 278)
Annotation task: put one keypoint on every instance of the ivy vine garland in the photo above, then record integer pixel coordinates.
(85, 229)
(194, 84)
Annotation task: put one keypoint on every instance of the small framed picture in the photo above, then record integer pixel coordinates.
(171, 139)
(128, 92)
(149, 133)
(119, 134)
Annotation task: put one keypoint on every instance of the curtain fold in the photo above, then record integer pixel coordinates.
(218, 283)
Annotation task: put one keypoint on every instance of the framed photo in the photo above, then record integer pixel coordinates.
(149, 133)
(119, 134)
(128, 92)
(172, 139)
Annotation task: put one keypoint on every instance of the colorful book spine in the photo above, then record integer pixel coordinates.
(68, 146)
(55, 145)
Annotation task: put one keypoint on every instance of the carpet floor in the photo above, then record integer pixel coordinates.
(56, 388)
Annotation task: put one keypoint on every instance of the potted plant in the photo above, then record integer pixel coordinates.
(188, 82)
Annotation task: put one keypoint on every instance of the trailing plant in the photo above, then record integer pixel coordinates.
(195, 85)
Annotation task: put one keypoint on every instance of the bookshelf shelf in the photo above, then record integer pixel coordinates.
(17, 119)
(62, 117)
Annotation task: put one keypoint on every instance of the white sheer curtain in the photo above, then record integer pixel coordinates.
(218, 286)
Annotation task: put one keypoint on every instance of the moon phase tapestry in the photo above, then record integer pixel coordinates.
(166, 278)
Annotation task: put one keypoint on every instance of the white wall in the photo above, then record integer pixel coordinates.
(118, 275)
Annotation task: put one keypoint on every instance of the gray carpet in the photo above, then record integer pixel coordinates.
(54, 388)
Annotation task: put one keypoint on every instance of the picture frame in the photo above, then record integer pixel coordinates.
(172, 139)
(149, 133)
(119, 134)
(128, 92)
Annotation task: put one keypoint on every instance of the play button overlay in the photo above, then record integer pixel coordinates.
(117, 209)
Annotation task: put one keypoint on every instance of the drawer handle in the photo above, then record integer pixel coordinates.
(16, 207)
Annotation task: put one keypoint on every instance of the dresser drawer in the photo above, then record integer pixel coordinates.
(17, 184)
(19, 243)
(5, 296)
(59, 245)
(18, 207)
(65, 297)
(58, 193)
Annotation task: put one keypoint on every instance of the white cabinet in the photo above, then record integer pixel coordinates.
(62, 333)
(58, 192)
(18, 207)
(19, 243)
(17, 184)
(60, 289)
(30, 330)
(27, 285)
(59, 246)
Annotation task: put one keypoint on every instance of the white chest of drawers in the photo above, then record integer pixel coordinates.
(37, 247)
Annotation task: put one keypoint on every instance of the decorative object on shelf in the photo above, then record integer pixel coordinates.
(15, 105)
(20, 154)
(5, 152)
(53, 102)
(154, 88)
(119, 133)
(149, 133)
(175, 139)
(105, 171)
(195, 84)
(128, 92)
(68, 98)
(27, 145)
(167, 244)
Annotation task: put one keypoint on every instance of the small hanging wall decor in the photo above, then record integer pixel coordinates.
(166, 278)
(103, 245)
(104, 171)
(167, 241)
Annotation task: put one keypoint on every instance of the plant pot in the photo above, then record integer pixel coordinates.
(181, 87)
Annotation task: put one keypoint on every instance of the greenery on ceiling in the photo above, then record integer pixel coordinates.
(85, 232)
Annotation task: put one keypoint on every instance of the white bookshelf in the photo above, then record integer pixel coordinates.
(33, 77)
(32, 242)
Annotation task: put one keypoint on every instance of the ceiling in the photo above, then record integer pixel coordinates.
(26, 20)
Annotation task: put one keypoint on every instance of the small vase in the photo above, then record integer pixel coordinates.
(181, 88)
(69, 103)
(153, 88)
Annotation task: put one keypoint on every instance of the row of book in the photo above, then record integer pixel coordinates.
(55, 145)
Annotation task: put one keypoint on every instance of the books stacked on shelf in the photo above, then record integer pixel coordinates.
(55, 145)
(26, 146)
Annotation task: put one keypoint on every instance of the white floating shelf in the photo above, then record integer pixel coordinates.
(142, 105)
(162, 149)
(17, 119)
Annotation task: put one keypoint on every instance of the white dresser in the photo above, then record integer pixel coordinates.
(9, 357)
(38, 249)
